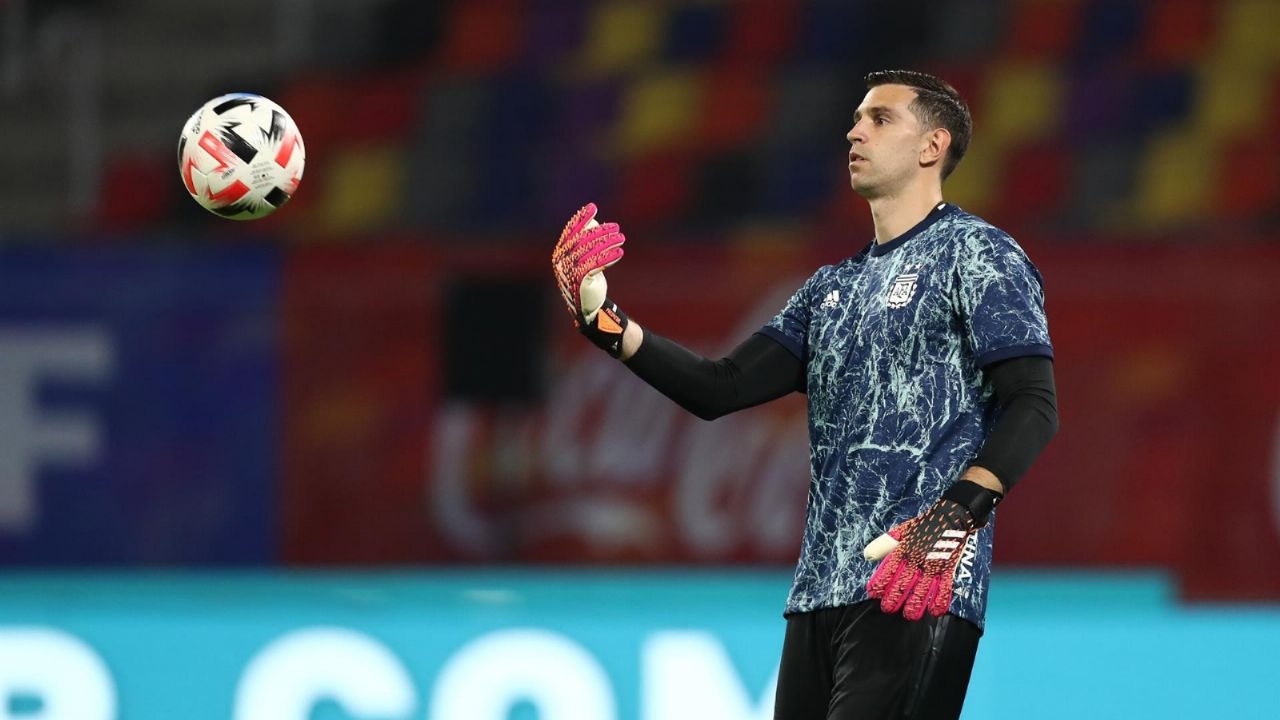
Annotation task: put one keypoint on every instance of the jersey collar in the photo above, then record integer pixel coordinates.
(943, 209)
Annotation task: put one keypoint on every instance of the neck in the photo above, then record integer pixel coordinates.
(896, 214)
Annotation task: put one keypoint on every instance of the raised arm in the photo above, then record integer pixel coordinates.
(758, 370)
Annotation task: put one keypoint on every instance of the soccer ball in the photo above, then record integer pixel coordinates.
(241, 156)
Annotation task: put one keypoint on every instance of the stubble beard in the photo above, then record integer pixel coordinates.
(868, 188)
(868, 191)
(875, 188)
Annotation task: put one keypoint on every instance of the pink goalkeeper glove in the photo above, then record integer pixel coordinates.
(923, 552)
(585, 249)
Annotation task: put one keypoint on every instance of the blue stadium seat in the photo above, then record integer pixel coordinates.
(966, 30)
(814, 104)
(695, 32)
(799, 180)
(441, 169)
(831, 31)
(1109, 29)
(1162, 98)
(553, 32)
(1103, 175)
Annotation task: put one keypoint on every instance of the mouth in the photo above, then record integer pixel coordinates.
(855, 158)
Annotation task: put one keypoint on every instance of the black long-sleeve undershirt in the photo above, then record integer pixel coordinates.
(757, 371)
(1027, 403)
(761, 369)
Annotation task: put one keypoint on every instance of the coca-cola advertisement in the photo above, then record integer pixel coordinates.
(1166, 455)
(596, 467)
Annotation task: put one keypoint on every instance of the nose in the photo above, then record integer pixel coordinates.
(855, 134)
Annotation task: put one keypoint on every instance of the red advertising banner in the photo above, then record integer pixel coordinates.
(381, 466)
(1166, 369)
(606, 469)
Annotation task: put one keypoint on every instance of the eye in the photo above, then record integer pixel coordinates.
(880, 120)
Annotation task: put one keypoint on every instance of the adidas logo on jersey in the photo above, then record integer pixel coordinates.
(831, 301)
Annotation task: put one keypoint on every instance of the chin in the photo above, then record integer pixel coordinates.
(866, 190)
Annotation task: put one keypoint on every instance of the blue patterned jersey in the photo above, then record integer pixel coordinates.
(893, 341)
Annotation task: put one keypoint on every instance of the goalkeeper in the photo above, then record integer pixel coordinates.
(927, 364)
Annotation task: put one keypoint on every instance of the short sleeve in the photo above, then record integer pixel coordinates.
(790, 327)
(1001, 299)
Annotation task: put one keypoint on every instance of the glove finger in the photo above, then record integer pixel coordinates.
(563, 282)
(579, 220)
(608, 259)
(602, 253)
(564, 249)
(600, 260)
(921, 597)
(589, 245)
(568, 305)
(883, 575)
(568, 285)
(901, 586)
(596, 230)
(590, 237)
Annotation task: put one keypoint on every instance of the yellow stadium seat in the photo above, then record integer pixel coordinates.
(658, 108)
(1247, 34)
(362, 188)
(1022, 102)
(1175, 177)
(622, 35)
(973, 183)
(1233, 98)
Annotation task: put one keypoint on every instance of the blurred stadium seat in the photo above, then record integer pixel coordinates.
(320, 389)
(702, 77)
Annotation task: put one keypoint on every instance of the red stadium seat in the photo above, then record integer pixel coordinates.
(316, 104)
(483, 35)
(734, 109)
(762, 31)
(1250, 182)
(1042, 29)
(1178, 31)
(380, 107)
(138, 191)
(1033, 184)
(655, 187)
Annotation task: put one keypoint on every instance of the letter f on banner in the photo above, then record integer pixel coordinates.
(29, 437)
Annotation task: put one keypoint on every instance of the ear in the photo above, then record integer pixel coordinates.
(936, 143)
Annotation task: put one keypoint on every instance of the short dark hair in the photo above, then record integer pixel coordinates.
(937, 104)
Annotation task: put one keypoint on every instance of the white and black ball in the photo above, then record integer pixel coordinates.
(241, 156)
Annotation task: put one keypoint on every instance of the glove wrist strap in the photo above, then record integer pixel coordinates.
(978, 500)
(606, 329)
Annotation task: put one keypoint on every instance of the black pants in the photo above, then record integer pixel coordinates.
(856, 662)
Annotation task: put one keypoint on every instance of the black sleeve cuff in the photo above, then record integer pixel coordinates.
(784, 340)
(978, 500)
(1014, 351)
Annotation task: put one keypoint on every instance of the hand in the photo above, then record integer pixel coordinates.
(923, 552)
(585, 249)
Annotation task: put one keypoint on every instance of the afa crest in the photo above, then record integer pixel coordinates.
(903, 290)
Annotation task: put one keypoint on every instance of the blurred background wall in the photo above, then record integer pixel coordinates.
(379, 378)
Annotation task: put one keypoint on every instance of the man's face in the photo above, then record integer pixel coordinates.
(885, 142)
